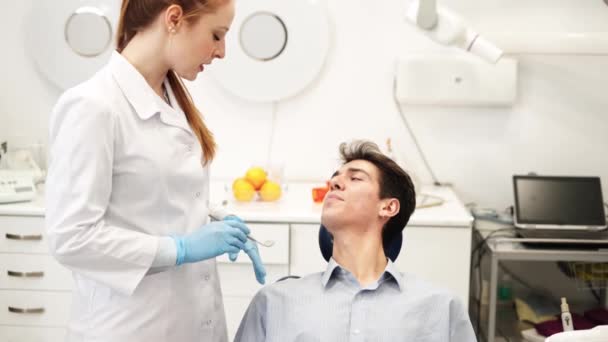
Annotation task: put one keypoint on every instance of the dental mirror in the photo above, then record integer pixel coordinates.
(267, 243)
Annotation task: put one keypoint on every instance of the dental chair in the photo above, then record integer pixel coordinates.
(326, 244)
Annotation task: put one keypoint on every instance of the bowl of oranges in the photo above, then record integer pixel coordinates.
(255, 185)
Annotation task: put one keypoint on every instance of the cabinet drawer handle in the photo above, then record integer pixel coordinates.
(25, 311)
(25, 274)
(23, 237)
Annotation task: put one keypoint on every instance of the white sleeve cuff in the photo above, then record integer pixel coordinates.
(166, 253)
(217, 211)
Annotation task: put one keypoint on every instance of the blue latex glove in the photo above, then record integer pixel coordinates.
(211, 240)
(251, 248)
(234, 256)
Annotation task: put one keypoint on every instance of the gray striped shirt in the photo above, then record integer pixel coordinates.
(333, 307)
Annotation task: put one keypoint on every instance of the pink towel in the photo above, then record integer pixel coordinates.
(598, 316)
(549, 328)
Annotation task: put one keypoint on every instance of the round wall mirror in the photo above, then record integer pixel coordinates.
(263, 36)
(280, 45)
(88, 32)
(70, 40)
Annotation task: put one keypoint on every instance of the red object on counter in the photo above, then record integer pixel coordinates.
(318, 194)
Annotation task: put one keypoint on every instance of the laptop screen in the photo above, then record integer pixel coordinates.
(575, 201)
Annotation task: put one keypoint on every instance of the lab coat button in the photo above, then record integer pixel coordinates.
(198, 194)
(207, 277)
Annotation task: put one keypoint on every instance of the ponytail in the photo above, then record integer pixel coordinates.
(137, 14)
(123, 36)
(195, 120)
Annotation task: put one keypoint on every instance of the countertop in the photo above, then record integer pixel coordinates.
(296, 206)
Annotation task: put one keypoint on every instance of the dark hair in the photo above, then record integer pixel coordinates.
(135, 15)
(394, 183)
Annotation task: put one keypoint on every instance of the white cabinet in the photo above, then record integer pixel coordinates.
(33, 272)
(22, 234)
(35, 308)
(35, 291)
(31, 334)
(306, 256)
(440, 255)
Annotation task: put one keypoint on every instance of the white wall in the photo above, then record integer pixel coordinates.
(558, 125)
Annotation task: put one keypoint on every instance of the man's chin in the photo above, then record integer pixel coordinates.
(331, 222)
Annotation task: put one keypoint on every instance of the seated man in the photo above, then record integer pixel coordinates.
(361, 296)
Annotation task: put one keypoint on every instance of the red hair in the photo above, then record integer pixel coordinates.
(135, 15)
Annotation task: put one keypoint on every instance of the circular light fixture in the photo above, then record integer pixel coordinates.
(280, 49)
(88, 32)
(70, 40)
(265, 25)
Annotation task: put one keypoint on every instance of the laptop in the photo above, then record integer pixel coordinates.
(556, 207)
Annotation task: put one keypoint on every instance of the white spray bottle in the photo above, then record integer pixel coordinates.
(566, 316)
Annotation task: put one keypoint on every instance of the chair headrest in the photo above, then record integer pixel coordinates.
(326, 243)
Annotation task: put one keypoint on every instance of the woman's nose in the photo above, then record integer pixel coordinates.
(221, 52)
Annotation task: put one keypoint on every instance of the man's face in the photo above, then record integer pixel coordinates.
(354, 197)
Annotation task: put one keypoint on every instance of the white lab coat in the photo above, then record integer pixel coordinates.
(125, 169)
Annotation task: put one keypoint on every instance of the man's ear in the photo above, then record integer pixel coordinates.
(389, 207)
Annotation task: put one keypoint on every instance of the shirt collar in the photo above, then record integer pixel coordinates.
(390, 271)
(143, 98)
(134, 86)
(329, 271)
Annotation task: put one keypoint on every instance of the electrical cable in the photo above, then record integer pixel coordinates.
(409, 129)
(273, 129)
(593, 292)
(479, 247)
(568, 271)
(503, 334)
(516, 277)
(484, 240)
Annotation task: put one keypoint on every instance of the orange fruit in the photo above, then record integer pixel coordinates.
(256, 176)
(270, 191)
(243, 190)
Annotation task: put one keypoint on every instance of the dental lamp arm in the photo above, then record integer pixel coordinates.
(447, 28)
(426, 14)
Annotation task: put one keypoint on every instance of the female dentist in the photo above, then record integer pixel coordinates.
(128, 184)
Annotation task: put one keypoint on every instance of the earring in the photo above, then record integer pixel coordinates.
(172, 29)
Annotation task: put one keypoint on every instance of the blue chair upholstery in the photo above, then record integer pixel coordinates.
(326, 243)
